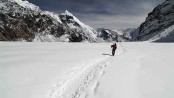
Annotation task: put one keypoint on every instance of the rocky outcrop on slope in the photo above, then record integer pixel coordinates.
(21, 20)
(157, 23)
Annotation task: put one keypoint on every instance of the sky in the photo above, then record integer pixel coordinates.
(111, 14)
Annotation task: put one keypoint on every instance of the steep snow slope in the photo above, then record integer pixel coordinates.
(53, 15)
(83, 70)
(160, 19)
(165, 35)
(78, 28)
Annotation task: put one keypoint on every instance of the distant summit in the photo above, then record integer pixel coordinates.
(119, 35)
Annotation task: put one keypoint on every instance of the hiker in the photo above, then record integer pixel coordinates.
(114, 47)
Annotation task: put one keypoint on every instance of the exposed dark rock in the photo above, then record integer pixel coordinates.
(162, 17)
(21, 23)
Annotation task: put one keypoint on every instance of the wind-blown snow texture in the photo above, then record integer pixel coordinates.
(83, 70)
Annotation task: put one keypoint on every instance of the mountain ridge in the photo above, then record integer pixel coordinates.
(21, 20)
(160, 20)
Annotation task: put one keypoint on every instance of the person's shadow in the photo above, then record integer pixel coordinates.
(106, 54)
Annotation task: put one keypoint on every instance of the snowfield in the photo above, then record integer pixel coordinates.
(86, 70)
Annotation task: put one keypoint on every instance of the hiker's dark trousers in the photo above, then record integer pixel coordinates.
(113, 52)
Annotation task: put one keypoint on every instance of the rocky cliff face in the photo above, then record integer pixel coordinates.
(21, 20)
(159, 23)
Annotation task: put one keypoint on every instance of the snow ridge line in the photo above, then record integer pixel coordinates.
(79, 81)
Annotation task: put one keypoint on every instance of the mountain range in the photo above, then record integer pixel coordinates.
(24, 21)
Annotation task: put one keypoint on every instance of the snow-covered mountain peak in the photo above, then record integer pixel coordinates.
(72, 17)
(26, 4)
(25, 21)
(73, 22)
(68, 13)
(53, 15)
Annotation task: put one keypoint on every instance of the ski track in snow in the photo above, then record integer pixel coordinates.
(80, 80)
(83, 80)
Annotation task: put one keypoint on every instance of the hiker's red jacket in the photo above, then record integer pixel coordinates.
(114, 47)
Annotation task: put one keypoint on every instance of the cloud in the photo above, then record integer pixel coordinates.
(112, 21)
(108, 13)
(97, 6)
